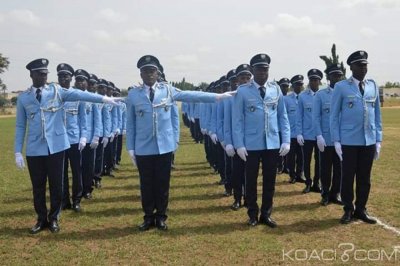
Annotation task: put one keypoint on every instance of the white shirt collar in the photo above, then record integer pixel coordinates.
(258, 85)
(356, 81)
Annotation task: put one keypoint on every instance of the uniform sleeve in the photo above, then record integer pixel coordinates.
(114, 119)
(106, 115)
(336, 109)
(228, 122)
(20, 127)
(175, 122)
(192, 96)
(130, 125)
(213, 118)
(82, 120)
(72, 95)
(378, 120)
(283, 119)
(238, 121)
(299, 117)
(316, 115)
(97, 120)
(220, 120)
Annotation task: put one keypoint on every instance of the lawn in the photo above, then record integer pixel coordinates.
(202, 228)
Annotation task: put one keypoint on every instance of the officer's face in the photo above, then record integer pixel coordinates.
(314, 84)
(64, 79)
(284, 89)
(260, 74)
(225, 87)
(149, 75)
(297, 87)
(81, 83)
(243, 78)
(109, 92)
(101, 89)
(92, 87)
(334, 77)
(39, 79)
(233, 82)
(359, 70)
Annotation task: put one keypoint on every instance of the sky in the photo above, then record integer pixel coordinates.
(198, 40)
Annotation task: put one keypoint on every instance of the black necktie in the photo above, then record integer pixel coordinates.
(361, 87)
(38, 94)
(151, 94)
(262, 92)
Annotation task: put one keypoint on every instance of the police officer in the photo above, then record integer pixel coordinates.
(305, 132)
(356, 130)
(121, 126)
(295, 155)
(111, 122)
(40, 112)
(259, 114)
(282, 162)
(329, 161)
(150, 137)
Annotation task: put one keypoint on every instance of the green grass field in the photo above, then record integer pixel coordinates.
(202, 228)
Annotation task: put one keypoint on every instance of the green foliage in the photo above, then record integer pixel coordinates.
(3, 101)
(184, 85)
(4, 63)
(392, 84)
(333, 59)
(14, 100)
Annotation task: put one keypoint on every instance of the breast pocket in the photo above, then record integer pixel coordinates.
(32, 112)
(350, 102)
(308, 107)
(143, 110)
(326, 107)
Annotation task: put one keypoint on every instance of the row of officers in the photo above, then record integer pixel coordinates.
(80, 126)
(246, 120)
(339, 123)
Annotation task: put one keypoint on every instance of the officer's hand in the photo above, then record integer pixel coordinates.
(104, 142)
(222, 144)
(203, 131)
(300, 140)
(321, 143)
(242, 153)
(214, 138)
(95, 142)
(132, 155)
(377, 150)
(82, 143)
(124, 132)
(111, 138)
(230, 151)
(19, 160)
(338, 149)
(192, 119)
(117, 131)
(112, 100)
(224, 95)
(285, 148)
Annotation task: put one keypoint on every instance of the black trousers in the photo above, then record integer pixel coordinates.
(107, 161)
(155, 175)
(98, 165)
(73, 157)
(308, 148)
(88, 160)
(114, 152)
(330, 182)
(119, 148)
(357, 162)
(295, 160)
(228, 172)
(41, 168)
(238, 177)
(192, 129)
(220, 160)
(199, 136)
(268, 158)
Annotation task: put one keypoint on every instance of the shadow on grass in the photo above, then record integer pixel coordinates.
(126, 187)
(305, 226)
(191, 168)
(197, 197)
(205, 172)
(298, 207)
(190, 163)
(122, 198)
(112, 212)
(18, 200)
(197, 185)
(198, 210)
(287, 193)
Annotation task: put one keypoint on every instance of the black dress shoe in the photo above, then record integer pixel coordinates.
(324, 201)
(316, 189)
(336, 200)
(364, 216)
(161, 225)
(252, 222)
(307, 189)
(97, 184)
(268, 221)
(292, 180)
(236, 205)
(39, 226)
(347, 217)
(300, 180)
(227, 193)
(88, 195)
(76, 207)
(66, 206)
(54, 227)
(146, 225)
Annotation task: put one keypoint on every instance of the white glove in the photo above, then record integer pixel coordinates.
(203, 131)
(19, 160)
(321, 143)
(95, 142)
(209, 133)
(230, 151)
(224, 95)
(112, 138)
(132, 155)
(242, 153)
(285, 148)
(112, 100)
(104, 142)
(192, 119)
(223, 145)
(377, 151)
(82, 143)
(124, 132)
(118, 131)
(214, 138)
(300, 140)
(338, 149)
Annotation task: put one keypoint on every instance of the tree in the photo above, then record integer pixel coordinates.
(14, 100)
(3, 67)
(333, 60)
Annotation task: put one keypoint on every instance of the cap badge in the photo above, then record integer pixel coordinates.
(44, 61)
(263, 56)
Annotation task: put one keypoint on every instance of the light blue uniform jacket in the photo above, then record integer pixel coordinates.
(304, 115)
(75, 121)
(322, 113)
(291, 108)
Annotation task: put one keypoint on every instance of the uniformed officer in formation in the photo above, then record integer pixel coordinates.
(40, 112)
(259, 115)
(282, 167)
(329, 161)
(150, 137)
(356, 131)
(305, 132)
